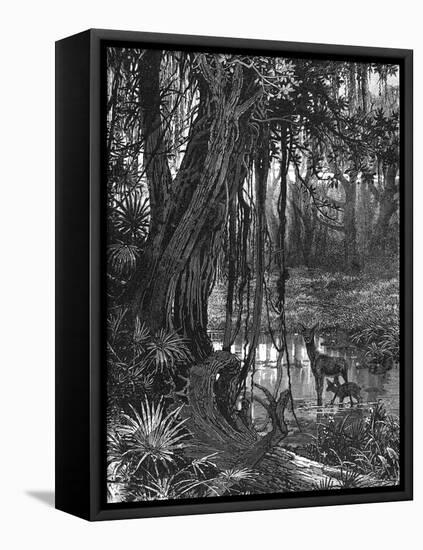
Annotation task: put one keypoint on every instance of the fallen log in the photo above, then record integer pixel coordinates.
(284, 471)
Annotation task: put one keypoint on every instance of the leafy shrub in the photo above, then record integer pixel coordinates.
(122, 258)
(147, 460)
(114, 321)
(141, 334)
(337, 300)
(165, 349)
(379, 337)
(124, 380)
(140, 363)
(369, 445)
(131, 216)
(151, 435)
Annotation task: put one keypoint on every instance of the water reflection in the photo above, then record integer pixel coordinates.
(373, 386)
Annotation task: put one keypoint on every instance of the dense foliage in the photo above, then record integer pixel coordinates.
(360, 445)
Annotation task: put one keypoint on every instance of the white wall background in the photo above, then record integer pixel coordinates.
(27, 35)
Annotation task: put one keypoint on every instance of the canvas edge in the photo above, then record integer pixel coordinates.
(72, 213)
(96, 508)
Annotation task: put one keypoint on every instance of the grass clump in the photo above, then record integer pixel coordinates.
(361, 445)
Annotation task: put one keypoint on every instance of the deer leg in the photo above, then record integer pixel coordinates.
(319, 390)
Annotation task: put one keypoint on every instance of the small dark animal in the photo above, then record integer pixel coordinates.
(348, 389)
(322, 365)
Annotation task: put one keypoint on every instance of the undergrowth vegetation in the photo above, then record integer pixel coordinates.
(334, 299)
(140, 362)
(368, 445)
(150, 453)
(149, 459)
(337, 300)
(363, 306)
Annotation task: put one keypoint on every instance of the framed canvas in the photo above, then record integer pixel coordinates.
(234, 274)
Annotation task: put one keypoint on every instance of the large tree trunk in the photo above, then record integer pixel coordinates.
(349, 185)
(156, 304)
(294, 241)
(387, 207)
(156, 166)
(232, 272)
(364, 219)
(282, 217)
(272, 215)
(349, 226)
(364, 78)
(193, 289)
(237, 239)
(177, 240)
(261, 163)
(216, 423)
(350, 229)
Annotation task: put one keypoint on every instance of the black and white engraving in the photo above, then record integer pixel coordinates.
(252, 275)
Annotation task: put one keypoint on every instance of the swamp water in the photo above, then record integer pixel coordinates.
(374, 387)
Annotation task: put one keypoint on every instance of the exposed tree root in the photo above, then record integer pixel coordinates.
(220, 428)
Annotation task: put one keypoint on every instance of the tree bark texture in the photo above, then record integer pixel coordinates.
(186, 225)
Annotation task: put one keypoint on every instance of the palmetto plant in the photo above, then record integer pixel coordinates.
(326, 484)
(136, 359)
(171, 486)
(349, 476)
(235, 475)
(123, 258)
(374, 353)
(390, 340)
(116, 449)
(382, 443)
(152, 435)
(231, 481)
(356, 430)
(114, 321)
(141, 334)
(175, 486)
(125, 379)
(201, 465)
(186, 479)
(165, 349)
(132, 215)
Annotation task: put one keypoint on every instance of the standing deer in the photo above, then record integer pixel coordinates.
(322, 365)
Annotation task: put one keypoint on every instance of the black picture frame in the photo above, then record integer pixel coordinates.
(80, 455)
